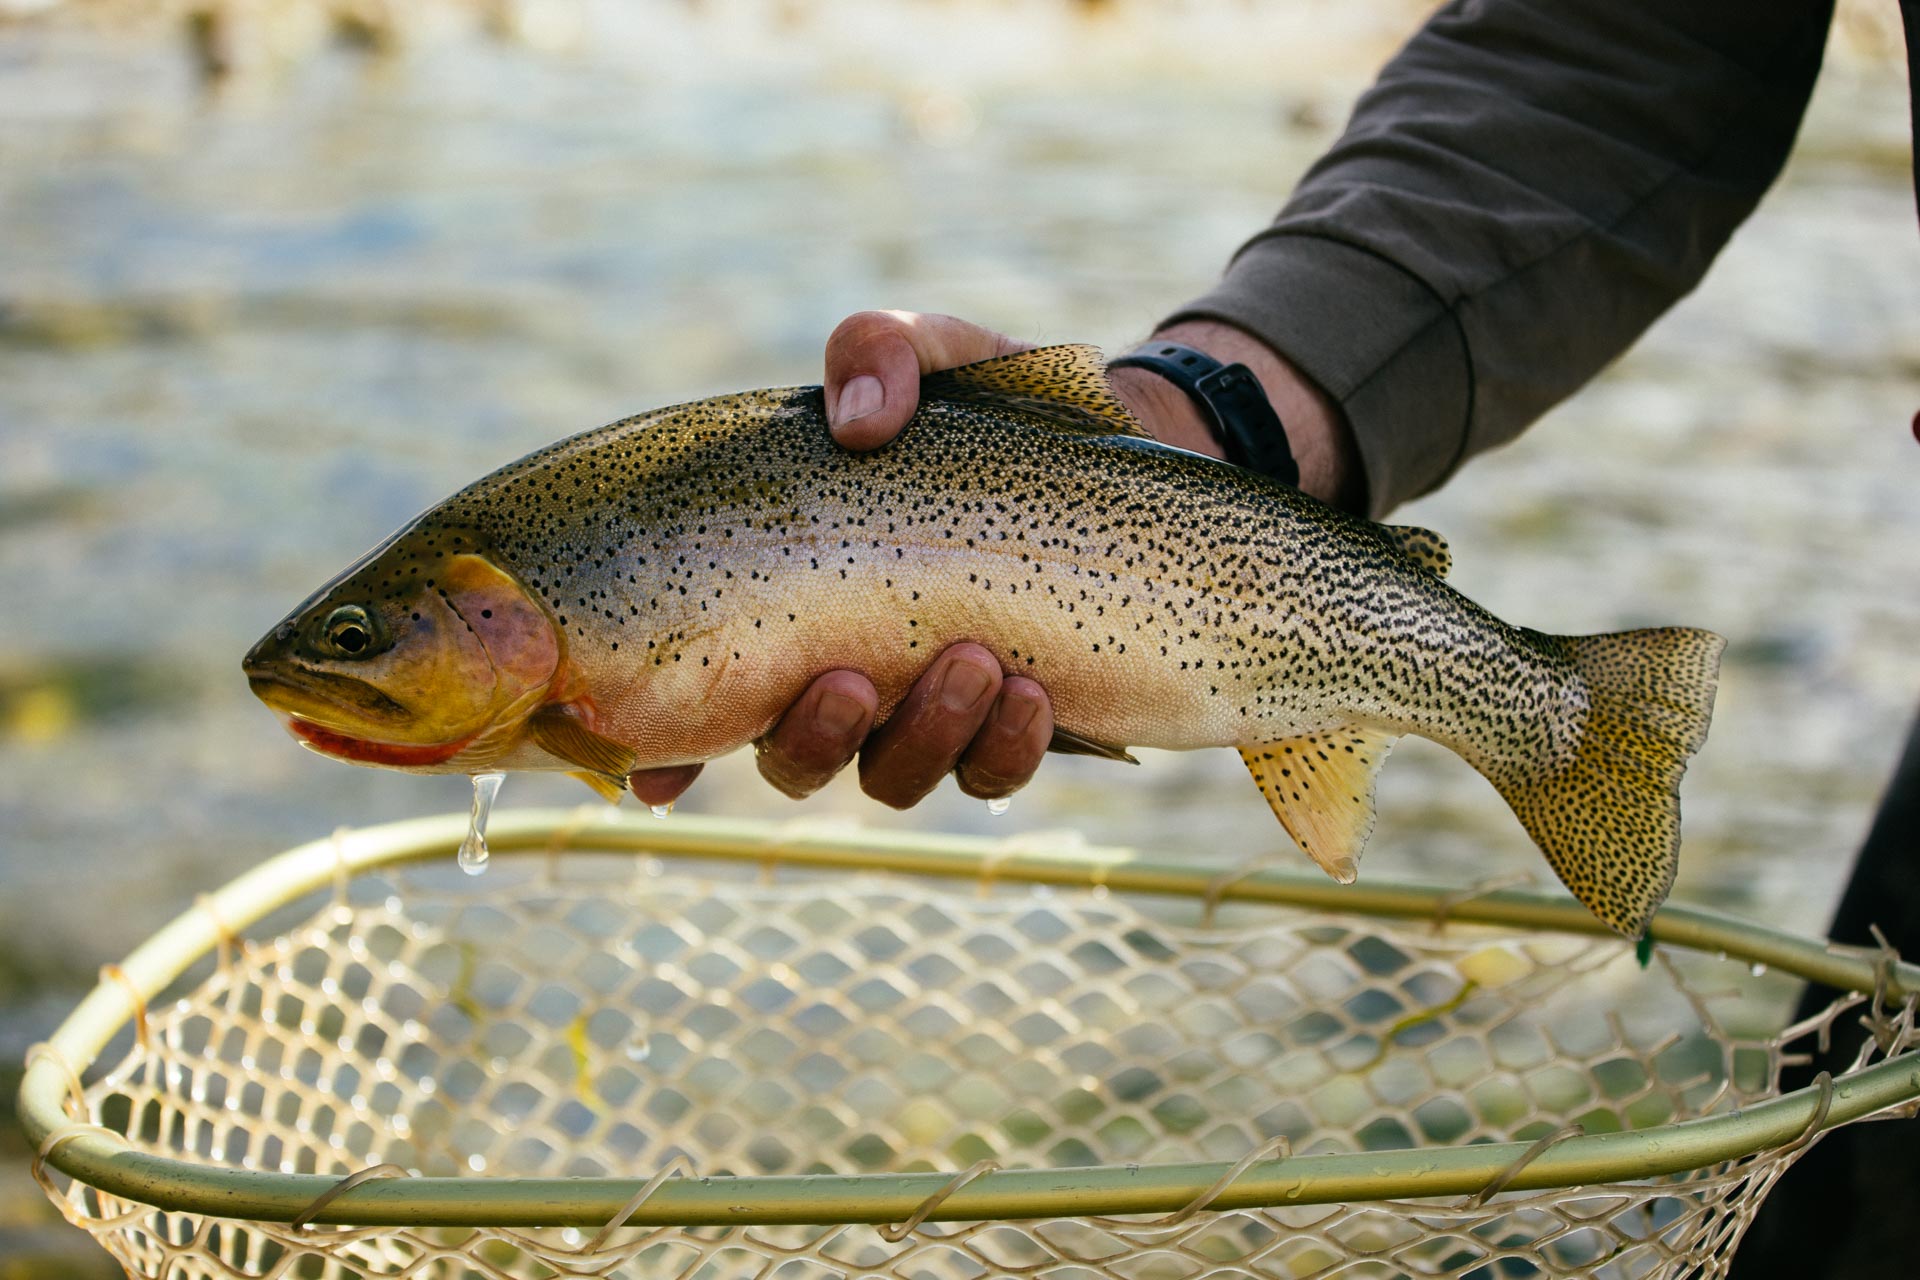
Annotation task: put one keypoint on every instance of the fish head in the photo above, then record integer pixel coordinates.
(426, 655)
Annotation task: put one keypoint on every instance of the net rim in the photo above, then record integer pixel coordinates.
(105, 1163)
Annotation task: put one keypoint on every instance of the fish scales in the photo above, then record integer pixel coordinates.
(1144, 588)
(697, 567)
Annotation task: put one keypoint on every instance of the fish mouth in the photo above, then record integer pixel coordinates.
(329, 714)
(314, 694)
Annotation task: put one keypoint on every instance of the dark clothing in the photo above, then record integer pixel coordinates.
(1527, 187)
(1861, 1183)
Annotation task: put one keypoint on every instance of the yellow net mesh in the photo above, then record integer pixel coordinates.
(589, 1018)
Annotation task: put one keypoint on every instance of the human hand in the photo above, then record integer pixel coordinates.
(963, 716)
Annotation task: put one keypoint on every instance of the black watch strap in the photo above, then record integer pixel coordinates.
(1230, 398)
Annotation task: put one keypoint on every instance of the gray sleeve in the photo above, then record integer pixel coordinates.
(1525, 189)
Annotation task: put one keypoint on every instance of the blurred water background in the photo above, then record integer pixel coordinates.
(251, 321)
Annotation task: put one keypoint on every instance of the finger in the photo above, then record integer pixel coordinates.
(662, 786)
(819, 733)
(1010, 745)
(874, 362)
(920, 743)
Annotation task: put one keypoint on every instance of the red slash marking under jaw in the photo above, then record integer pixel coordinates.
(387, 753)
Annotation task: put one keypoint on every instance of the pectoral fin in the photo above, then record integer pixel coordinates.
(1067, 743)
(611, 787)
(1321, 788)
(560, 733)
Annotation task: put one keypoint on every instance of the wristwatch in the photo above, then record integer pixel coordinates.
(1231, 401)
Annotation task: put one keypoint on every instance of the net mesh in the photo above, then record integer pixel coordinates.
(592, 1018)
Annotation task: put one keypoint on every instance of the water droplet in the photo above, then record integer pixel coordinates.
(473, 850)
(999, 805)
(1758, 970)
(661, 810)
(638, 1050)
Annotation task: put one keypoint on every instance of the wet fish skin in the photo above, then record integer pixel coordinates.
(667, 585)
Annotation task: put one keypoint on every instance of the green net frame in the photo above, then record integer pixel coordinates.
(708, 1048)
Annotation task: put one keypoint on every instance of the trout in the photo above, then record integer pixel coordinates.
(656, 592)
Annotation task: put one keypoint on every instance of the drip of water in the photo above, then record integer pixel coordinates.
(661, 810)
(999, 805)
(473, 850)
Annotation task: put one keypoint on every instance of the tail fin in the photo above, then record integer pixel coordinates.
(1609, 820)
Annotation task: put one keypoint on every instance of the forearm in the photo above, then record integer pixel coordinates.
(1522, 193)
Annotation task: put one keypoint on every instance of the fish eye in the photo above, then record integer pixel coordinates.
(349, 631)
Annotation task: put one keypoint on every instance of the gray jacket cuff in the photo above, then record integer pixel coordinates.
(1372, 336)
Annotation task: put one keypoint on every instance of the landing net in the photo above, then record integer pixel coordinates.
(718, 1050)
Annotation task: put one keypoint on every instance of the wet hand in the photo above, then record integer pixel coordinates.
(963, 716)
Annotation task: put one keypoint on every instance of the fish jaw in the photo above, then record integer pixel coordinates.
(334, 701)
(498, 744)
(329, 715)
(390, 755)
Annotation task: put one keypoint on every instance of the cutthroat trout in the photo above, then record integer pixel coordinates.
(656, 592)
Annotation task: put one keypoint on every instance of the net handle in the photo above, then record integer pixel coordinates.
(679, 1166)
(895, 1232)
(1541, 1145)
(1274, 1148)
(306, 1216)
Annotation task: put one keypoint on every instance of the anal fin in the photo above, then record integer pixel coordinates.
(564, 735)
(1320, 786)
(611, 787)
(1068, 743)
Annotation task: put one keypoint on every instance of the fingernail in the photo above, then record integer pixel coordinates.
(858, 398)
(1017, 713)
(965, 684)
(837, 714)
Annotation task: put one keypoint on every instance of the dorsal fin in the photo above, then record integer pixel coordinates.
(1067, 385)
(1422, 546)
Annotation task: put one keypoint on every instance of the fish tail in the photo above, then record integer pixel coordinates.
(1609, 819)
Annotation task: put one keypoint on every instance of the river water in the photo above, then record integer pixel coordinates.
(243, 334)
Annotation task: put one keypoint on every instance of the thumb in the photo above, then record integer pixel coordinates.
(874, 363)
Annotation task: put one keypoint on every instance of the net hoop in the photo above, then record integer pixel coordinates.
(99, 1159)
